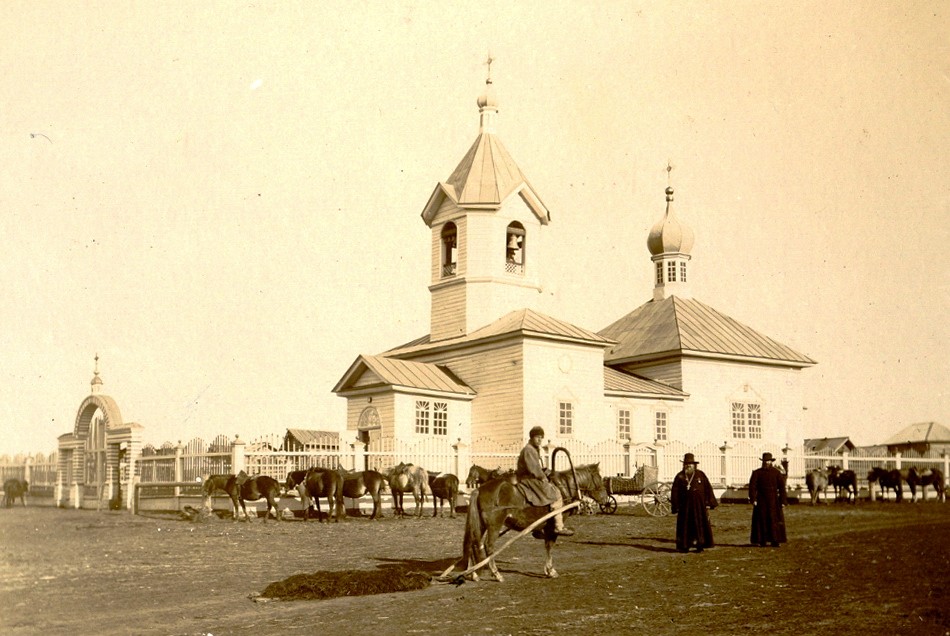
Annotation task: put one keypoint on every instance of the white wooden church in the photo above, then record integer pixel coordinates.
(491, 366)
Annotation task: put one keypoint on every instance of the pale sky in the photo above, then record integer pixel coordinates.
(223, 200)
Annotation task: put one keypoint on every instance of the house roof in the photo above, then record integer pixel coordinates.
(922, 432)
(685, 325)
(310, 437)
(617, 381)
(831, 445)
(386, 371)
(526, 322)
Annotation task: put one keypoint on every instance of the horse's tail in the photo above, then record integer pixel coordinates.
(472, 544)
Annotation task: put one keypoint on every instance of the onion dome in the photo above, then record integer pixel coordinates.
(670, 235)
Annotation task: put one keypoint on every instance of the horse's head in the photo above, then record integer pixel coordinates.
(597, 488)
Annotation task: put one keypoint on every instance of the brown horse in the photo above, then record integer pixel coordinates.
(845, 481)
(408, 478)
(13, 489)
(499, 503)
(359, 483)
(445, 488)
(324, 482)
(817, 481)
(215, 483)
(925, 477)
(241, 488)
(478, 476)
(886, 479)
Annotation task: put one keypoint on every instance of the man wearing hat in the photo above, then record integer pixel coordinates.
(768, 497)
(691, 499)
(534, 483)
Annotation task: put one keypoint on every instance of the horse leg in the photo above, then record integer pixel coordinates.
(549, 542)
(490, 535)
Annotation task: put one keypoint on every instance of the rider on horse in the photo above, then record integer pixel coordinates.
(534, 482)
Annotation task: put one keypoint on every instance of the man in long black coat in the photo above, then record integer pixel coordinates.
(768, 497)
(691, 498)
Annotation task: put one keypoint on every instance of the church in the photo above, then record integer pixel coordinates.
(491, 366)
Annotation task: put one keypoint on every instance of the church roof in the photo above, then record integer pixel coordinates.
(929, 432)
(676, 326)
(616, 381)
(526, 322)
(386, 371)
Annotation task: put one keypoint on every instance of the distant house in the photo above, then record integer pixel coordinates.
(922, 437)
(828, 446)
(303, 439)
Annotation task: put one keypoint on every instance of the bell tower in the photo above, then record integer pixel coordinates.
(486, 223)
(670, 242)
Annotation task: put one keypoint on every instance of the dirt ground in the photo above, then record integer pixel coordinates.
(875, 568)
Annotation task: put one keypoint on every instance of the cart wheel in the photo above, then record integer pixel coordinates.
(656, 499)
(609, 506)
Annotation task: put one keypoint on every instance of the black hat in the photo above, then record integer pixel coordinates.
(537, 430)
(689, 458)
(767, 457)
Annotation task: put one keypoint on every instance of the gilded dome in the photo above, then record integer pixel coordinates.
(670, 235)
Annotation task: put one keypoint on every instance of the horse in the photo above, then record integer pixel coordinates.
(219, 482)
(885, 479)
(923, 478)
(588, 480)
(241, 488)
(324, 482)
(408, 478)
(817, 481)
(356, 484)
(844, 481)
(499, 503)
(478, 476)
(445, 488)
(12, 489)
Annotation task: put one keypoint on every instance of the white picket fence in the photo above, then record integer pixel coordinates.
(726, 465)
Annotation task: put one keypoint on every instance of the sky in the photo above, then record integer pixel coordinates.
(222, 200)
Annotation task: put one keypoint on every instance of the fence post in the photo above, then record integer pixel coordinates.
(845, 457)
(660, 459)
(28, 469)
(627, 458)
(238, 461)
(946, 466)
(461, 457)
(726, 449)
(179, 472)
(897, 460)
(355, 453)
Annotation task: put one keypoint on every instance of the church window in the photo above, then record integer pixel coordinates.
(422, 417)
(754, 413)
(565, 418)
(623, 423)
(661, 426)
(514, 248)
(746, 420)
(671, 271)
(449, 249)
(659, 273)
(683, 271)
(440, 418)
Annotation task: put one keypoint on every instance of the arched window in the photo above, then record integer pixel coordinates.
(449, 249)
(515, 248)
(369, 419)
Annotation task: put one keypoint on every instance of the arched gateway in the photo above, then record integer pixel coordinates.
(96, 460)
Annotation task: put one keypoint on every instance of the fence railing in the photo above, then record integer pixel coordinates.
(161, 471)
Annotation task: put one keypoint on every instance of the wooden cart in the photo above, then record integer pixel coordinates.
(654, 495)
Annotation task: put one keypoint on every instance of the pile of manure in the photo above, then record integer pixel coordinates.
(320, 585)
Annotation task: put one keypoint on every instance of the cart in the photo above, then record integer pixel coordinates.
(654, 495)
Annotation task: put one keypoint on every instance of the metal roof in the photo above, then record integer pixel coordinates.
(929, 432)
(523, 321)
(404, 373)
(620, 381)
(684, 325)
(830, 444)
